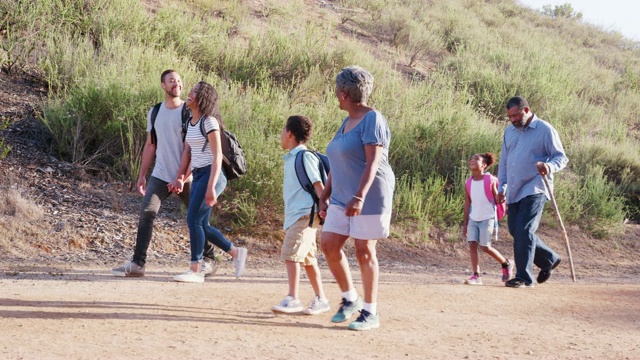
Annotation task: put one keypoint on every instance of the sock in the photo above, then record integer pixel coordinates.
(372, 308)
(505, 264)
(476, 274)
(350, 295)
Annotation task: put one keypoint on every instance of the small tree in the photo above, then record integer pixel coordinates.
(561, 11)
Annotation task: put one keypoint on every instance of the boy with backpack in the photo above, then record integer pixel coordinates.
(301, 219)
(481, 218)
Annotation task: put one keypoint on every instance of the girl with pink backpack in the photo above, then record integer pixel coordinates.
(481, 215)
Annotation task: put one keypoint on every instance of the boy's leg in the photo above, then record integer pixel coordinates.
(313, 273)
(299, 246)
(293, 275)
(319, 304)
(156, 193)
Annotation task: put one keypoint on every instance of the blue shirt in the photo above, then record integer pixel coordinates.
(521, 149)
(348, 161)
(297, 202)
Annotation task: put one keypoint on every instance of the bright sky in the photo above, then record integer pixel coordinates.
(618, 15)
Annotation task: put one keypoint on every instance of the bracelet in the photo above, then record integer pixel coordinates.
(358, 198)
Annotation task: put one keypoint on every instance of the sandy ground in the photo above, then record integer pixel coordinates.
(84, 313)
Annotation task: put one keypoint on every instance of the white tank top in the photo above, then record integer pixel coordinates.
(481, 208)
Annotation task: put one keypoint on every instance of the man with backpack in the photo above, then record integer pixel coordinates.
(165, 144)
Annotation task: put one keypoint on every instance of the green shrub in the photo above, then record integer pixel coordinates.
(591, 201)
(102, 69)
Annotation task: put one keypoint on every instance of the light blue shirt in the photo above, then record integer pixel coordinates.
(521, 149)
(297, 202)
(348, 161)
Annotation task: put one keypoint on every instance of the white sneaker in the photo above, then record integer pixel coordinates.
(190, 277)
(128, 269)
(208, 269)
(317, 306)
(288, 306)
(240, 260)
(474, 280)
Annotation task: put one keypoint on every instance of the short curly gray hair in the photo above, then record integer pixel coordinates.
(356, 82)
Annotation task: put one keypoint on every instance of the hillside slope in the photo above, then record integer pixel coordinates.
(53, 210)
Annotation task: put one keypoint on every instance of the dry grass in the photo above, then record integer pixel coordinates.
(16, 203)
(19, 220)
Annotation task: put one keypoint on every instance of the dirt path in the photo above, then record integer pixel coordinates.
(83, 313)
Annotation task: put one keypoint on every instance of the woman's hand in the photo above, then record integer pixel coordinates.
(210, 197)
(354, 207)
(176, 186)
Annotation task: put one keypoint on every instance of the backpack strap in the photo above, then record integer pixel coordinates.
(487, 188)
(204, 134)
(154, 115)
(186, 117)
(467, 185)
(305, 182)
(488, 180)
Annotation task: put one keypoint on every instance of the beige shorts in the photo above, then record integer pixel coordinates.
(300, 242)
(361, 227)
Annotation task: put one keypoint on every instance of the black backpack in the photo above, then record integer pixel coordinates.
(233, 161)
(323, 167)
(186, 116)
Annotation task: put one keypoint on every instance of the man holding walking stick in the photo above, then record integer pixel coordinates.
(531, 150)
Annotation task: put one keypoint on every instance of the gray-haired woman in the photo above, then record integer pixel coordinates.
(358, 196)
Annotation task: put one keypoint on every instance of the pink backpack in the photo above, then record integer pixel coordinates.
(501, 209)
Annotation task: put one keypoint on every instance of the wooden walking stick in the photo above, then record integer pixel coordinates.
(564, 231)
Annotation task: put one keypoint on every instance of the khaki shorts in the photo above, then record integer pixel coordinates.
(300, 242)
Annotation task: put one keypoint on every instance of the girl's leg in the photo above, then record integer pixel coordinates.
(215, 236)
(494, 254)
(196, 213)
(368, 261)
(473, 252)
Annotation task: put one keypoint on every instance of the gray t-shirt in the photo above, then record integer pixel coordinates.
(169, 146)
(347, 158)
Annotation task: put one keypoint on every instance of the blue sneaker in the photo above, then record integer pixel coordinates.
(366, 321)
(346, 310)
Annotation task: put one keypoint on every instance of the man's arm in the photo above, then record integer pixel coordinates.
(148, 156)
(502, 172)
(184, 171)
(558, 159)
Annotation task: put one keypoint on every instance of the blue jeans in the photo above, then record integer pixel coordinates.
(528, 248)
(198, 214)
